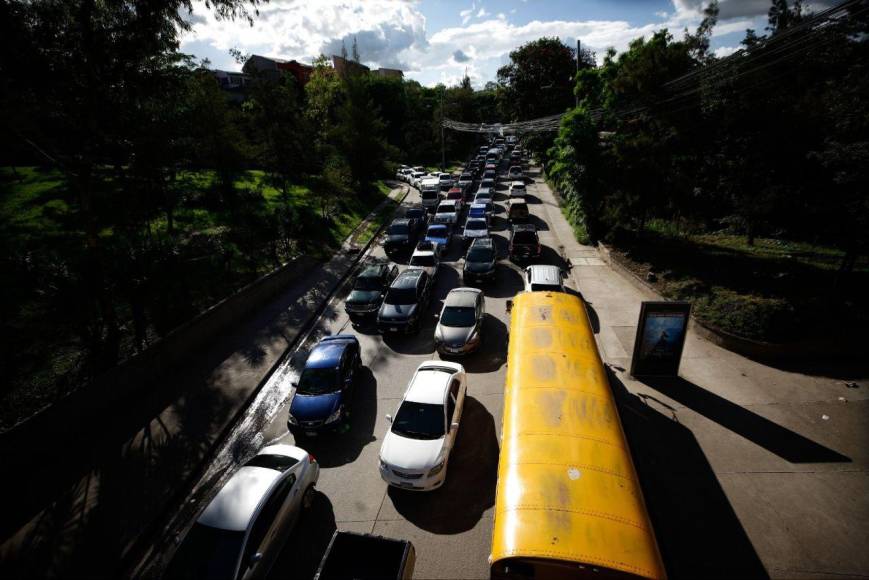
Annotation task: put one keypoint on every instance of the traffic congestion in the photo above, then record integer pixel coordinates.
(422, 322)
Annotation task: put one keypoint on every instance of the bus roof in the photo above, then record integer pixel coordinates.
(567, 489)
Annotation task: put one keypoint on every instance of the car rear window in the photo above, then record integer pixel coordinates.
(545, 288)
(525, 237)
(476, 225)
(425, 261)
(397, 230)
(277, 462)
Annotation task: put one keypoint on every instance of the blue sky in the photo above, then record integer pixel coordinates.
(438, 41)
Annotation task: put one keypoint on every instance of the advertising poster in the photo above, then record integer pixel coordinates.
(660, 337)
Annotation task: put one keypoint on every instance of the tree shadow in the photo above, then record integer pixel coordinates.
(785, 443)
(532, 199)
(469, 489)
(699, 534)
(334, 449)
(307, 543)
(492, 353)
(541, 225)
(499, 224)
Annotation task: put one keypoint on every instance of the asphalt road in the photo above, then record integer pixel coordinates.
(451, 527)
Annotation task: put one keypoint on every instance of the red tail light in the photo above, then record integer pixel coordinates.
(311, 458)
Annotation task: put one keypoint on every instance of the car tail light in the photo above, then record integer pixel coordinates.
(311, 458)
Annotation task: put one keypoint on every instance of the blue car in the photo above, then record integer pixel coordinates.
(478, 210)
(324, 393)
(439, 235)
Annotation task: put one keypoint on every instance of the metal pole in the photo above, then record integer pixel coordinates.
(443, 149)
(578, 47)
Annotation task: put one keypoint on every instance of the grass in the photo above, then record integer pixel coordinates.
(40, 225)
(774, 291)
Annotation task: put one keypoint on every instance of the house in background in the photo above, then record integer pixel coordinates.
(275, 68)
(345, 66)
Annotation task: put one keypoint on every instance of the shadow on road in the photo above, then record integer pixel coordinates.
(344, 446)
(307, 543)
(470, 486)
(698, 532)
(506, 284)
(785, 443)
(493, 351)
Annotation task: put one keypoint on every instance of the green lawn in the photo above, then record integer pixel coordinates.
(776, 290)
(219, 246)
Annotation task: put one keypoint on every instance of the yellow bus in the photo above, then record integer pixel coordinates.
(568, 502)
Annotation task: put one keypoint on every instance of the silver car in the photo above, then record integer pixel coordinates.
(243, 529)
(460, 323)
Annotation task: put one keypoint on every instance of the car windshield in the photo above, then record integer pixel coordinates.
(463, 316)
(524, 237)
(437, 232)
(419, 421)
(207, 552)
(480, 255)
(401, 296)
(487, 183)
(424, 261)
(476, 225)
(414, 213)
(367, 284)
(318, 381)
(545, 288)
(430, 194)
(447, 209)
(397, 230)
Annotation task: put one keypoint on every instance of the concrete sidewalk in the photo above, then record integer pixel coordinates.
(117, 481)
(747, 470)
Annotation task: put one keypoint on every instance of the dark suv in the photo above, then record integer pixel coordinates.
(405, 302)
(401, 235)
(370, 285)
(524, 243)
(480, 261)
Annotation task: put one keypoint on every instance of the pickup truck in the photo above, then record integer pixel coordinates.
(352, 556)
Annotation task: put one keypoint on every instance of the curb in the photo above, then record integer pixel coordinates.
(754, 349)
(140, 565)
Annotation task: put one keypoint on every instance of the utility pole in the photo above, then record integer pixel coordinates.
(578, 47)
(443, 149)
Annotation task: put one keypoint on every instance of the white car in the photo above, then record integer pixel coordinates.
(427, 260)
(543, 278)
(447, 212)
(417, 446)
(415, 177)
(243, 530)
(517, 189)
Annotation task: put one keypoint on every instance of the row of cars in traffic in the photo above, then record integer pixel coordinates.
(243, 528)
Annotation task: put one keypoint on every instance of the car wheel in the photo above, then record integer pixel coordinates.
(308, 498)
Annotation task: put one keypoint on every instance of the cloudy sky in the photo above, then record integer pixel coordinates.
(436, 41)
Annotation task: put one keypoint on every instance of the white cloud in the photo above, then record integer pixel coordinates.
(467, 13)
(723, 51)
(482, 13)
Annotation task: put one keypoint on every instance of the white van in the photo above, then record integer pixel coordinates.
(430, 191)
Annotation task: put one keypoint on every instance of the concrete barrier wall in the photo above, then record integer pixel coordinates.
(124, 381)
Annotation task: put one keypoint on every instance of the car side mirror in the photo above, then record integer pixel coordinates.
(389, 418)
(256, 558)
(509, 306)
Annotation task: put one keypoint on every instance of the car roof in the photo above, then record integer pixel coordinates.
(462, 297)
(517, 184)
(326, 354)
(517, 201)
(429, 385)
(451, 202)
(478, 206)
(524, 228)
(437, 227)
(544, 274)
(236, 503)
(485, 242)
(407, 279)
(400, 222)
(476, 219)
(422, 253)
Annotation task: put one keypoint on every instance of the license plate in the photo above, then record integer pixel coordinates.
(393, 328)
(405, 484)
(311, 433)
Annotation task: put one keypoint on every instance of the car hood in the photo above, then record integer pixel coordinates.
(454, 335)
(397, 311)
(479, 266)
(397, 238)
(314, 407)
(363, 296)
(412, 454)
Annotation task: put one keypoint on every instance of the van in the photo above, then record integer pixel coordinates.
(430, 192)
(517, 209)
(494, 155)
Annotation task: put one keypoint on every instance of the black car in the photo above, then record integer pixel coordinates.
(405, 302)
(418, 213)
(368, 289)
(480, 261)
(524, 242)
(401, 235)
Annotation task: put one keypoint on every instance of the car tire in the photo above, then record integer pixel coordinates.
(308, 498)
